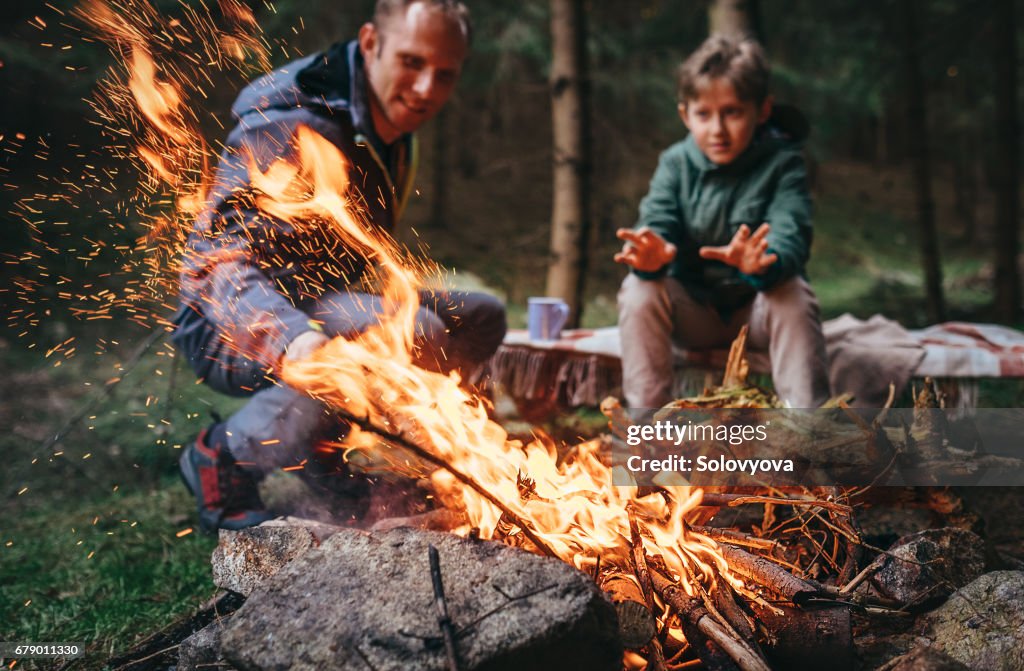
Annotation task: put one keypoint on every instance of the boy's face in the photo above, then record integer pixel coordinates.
(721, 123)
(412, 64)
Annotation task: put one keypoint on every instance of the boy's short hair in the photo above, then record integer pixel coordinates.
(740, 60)
(454, 9)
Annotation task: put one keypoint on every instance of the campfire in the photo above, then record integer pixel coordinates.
(687, 591)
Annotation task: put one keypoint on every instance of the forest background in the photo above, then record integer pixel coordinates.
(914, 152)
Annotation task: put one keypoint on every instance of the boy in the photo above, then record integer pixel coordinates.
(698, 272)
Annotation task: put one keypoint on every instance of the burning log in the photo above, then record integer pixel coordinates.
(818, 637)
(643, 575)
(506, 527)
(636, 623)
(716, 646)
(769, 575)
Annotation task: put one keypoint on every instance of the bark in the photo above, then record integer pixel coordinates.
(636, 624)
(717, 648)
(917, 140)
(769, 575)
(739, 18)
(965, 187)
(439, 203)
(1006, 163)
(570, 216)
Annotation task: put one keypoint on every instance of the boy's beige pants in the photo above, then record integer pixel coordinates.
(654, 314)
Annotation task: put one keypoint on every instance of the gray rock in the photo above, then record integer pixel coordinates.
(244, 559)
(924, 659)
(982, 624)
(366, 600)
(929, 565)
(201, 650)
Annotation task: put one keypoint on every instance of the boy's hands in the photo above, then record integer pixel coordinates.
(744, 251)
(644, 250)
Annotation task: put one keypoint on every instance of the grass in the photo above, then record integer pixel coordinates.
(89, 539)
(89, 551)
(102, 572)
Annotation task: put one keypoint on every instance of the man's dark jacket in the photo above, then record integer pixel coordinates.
(246, 275)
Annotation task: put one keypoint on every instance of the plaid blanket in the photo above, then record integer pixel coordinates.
(865, 356)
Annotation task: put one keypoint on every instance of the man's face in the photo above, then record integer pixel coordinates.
(722, 124)
(412, 64)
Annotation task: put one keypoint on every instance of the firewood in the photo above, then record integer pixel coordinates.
(736, 366)
(716, 647)
(636, 623)
(428, 456)
(733, 537)
(724, 598)
(643, 576)
(444, 620)
(769, 575)
(811, 638)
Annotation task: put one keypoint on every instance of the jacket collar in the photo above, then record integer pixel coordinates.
(786, 125)
(338, 79)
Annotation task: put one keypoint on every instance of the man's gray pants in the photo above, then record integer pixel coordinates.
(784, 321)
(280, 426)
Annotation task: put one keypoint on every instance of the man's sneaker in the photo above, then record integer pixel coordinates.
(226, 495)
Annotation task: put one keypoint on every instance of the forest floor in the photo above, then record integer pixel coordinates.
(98, 542)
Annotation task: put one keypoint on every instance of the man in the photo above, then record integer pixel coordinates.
(257, 291)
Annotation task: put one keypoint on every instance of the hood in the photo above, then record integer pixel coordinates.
(333, 80)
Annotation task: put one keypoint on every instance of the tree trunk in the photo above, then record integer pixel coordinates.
(734, 18)
(1005, 168)
(917, 145)
(570, 220)
(439, 195)
(965, 186)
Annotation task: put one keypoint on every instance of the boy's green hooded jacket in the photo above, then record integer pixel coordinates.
(693, 202)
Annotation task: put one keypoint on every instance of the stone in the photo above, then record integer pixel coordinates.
(243, 559)
(929, 565)
(365, 600)
(982, 625)
(925, 659)
(201, 650)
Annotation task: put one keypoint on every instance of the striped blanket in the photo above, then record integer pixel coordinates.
(864, 357)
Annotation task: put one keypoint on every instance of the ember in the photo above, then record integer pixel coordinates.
(683, 590)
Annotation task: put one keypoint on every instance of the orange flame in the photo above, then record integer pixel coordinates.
(574, 507)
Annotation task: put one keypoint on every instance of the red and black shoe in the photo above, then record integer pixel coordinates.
(226, 495)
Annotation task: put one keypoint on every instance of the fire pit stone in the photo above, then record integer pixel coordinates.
(244, 559)
(366, 600)
(929, 565)
(982, 624)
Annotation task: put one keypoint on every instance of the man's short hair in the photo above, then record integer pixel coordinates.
(740, 60)
(451, 8)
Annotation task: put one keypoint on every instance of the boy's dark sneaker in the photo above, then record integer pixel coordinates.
(226, 495)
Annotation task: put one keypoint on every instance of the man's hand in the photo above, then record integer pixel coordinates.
(304, 345)
(644, 250)
(744, 251)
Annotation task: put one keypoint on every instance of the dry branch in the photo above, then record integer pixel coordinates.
(733, 537)
(715, 645)
(443, 619)
(643, 576)
(769, 575)
(424, 454)
(636, 624)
